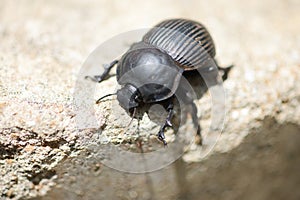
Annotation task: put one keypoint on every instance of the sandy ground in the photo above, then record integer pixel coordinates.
(43, 46)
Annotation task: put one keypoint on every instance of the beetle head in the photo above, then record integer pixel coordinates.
(129, 97)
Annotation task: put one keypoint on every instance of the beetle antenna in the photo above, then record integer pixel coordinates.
(132, 117)
(108, 95)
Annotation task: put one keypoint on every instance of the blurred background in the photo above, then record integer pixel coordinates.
(43, 45)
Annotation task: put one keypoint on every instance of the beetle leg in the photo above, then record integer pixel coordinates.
(161, 135)
(193, 111)
(225, 72)
(104, 75)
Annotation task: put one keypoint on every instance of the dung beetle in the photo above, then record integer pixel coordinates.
(184, 45)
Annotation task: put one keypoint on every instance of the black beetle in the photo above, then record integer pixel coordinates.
(184, 45)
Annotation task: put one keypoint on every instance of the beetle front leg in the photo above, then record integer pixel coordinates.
(104, 75)
(161, 133)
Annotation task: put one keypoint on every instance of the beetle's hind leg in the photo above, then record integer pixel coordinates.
(225, 71)
(105, 74)
(167, 123)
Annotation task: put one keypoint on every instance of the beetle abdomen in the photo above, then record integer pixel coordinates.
(187, 42)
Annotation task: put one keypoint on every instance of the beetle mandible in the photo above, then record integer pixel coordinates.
(161, 45)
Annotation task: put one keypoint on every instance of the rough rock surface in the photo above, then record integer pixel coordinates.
(43, 153)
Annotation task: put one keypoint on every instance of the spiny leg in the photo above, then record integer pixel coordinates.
(167, 123)
(104, 75)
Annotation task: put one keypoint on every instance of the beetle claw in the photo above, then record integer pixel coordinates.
(105, 74)
(95, 78)
(161, 137)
